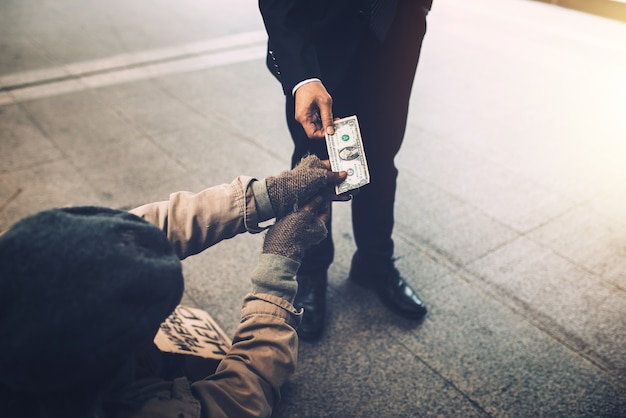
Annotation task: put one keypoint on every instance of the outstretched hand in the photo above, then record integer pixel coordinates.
(319, 206)
(292, 188)
(314, 109)
(336, 177)
(292, 235)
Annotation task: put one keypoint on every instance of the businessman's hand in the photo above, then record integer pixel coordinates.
(314, 109)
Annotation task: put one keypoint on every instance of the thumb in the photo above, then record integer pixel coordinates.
(326, 114)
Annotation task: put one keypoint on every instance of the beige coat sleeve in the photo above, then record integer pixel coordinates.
(263, 356)
(248, 380)
(196, 221)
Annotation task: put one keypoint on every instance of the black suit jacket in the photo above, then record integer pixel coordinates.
(315, 38)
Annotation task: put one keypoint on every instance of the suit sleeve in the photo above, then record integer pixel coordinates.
(291, 49)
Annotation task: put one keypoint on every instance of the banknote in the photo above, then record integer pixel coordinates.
(345, 152)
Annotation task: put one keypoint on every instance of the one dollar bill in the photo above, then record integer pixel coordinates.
(346, 153)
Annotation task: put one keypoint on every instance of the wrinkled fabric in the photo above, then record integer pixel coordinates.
(264, 350)
(246, 383)
(195, 221)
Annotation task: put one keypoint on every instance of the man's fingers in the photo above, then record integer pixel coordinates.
(326, 113)
(315, 203)
(312, 125)
(313, 109)
(333, 176)
(313, 130)
(326, 164)
(336, 176)
(320, 206)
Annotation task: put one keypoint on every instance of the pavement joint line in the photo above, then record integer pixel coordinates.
(539, 320)
(122, 68)
(11, 198)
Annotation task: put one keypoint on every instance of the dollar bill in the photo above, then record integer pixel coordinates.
(346, 153)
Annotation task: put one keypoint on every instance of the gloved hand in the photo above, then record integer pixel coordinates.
(299, 230)
(289, 237)
(290, 189)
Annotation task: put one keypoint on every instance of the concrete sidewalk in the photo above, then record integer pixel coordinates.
(511, 208)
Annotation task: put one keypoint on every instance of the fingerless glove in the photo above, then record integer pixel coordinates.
(283, 248)
(293, 234)
(291, 188)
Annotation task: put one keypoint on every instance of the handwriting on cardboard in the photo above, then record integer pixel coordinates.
(194, 332)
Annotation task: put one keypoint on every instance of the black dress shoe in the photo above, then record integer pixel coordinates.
(312, 297)
(382, 277)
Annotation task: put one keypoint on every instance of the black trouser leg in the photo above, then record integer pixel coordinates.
(377, 91)
(389, 72)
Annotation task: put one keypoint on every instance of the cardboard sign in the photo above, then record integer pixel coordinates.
(192, 332)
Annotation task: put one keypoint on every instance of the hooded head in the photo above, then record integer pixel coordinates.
(80, 290)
